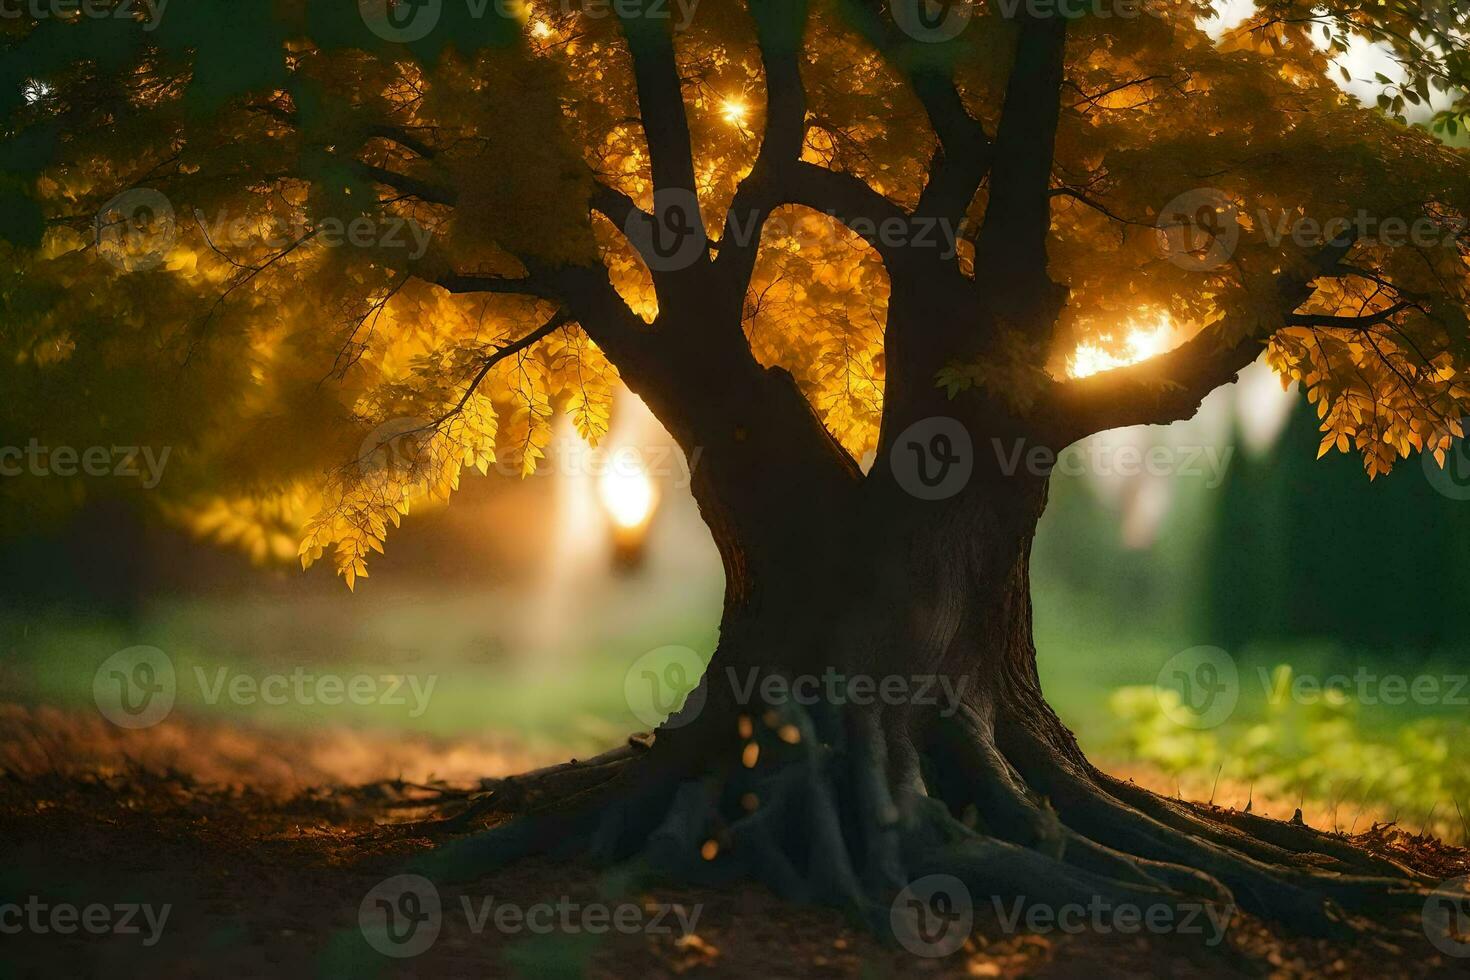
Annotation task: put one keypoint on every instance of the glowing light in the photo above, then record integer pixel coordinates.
(542, 30)
(1140, 344)
(628, 495)
(734, 111)
(1262, 407)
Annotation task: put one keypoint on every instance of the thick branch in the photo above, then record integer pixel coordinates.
(678, 372)
(646, 360)
(879, 221)
(404, 184)
(1012, 247)
(613, 204)
(963, 156)
(779, 28)
(850, 200)
(661, 109)
(475, 283)
(660, 97)
(621, 209)
(1170, 387)
(404, 138)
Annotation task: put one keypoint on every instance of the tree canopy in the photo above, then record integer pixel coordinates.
(334, 261)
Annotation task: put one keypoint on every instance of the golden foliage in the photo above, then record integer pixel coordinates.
(323, 362)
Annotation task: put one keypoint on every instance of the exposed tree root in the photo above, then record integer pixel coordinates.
(841, 811)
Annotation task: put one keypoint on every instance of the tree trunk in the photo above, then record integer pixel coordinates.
(873, 715)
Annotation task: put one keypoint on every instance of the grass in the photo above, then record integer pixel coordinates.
(1401, 766)
(1334, 751)
(560, 696)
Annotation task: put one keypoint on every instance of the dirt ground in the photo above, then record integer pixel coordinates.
(265, 847)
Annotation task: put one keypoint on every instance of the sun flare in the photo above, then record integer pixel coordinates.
(734, 111)
(1103, 354)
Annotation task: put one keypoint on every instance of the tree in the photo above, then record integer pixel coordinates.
(1288, 533)
(801, 232)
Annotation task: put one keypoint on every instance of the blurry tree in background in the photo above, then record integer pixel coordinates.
(1301, 551)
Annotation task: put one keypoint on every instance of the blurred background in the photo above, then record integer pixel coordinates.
(530, 601)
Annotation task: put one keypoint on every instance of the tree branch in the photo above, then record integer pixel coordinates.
(401, 136)
(388, 131)
(1374, 277)
(404, 184)
(847, 198)
(614, 205)
(660, 97)
(1171, 386)
(473, 283)
(877, 220)
(1347, 322)
(1012, 245)
(1099, 207)
(963, 156)
(670, 148)
(560, 319)
(780, 27)
(780, 30)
